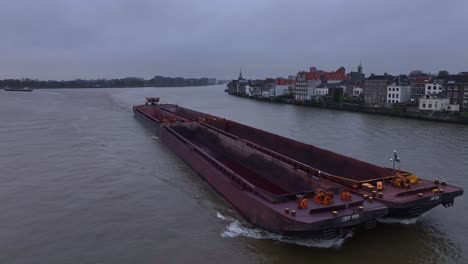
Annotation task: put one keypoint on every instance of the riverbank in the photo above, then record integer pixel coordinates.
(127, 82)
(397, 111)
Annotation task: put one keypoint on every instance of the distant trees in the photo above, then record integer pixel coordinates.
(157, 81)
(443, 73)
(418, 73)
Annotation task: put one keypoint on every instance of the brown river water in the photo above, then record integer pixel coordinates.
(81, 181)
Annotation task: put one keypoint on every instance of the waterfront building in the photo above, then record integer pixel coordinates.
(300, 87)
(324, 89)
(436, 102)
(434, 86)
(241, 84)
(307, 82)
(357, 91)
(249, 91)
(418, 88)
(335, 91)
(282, 87)
(260, 88)
(321, 90)
(399, 90)
(375, 89)
(455, 87)
(355, 80)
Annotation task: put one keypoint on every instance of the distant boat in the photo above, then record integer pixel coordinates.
(24, 89)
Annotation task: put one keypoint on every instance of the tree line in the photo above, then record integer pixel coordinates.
(157, 81)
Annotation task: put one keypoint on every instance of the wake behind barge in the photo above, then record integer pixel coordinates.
(405, 194)
(267, 192)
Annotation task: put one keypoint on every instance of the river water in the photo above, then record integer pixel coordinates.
(81, 181)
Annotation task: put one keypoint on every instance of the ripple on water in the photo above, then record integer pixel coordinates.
(402, 221)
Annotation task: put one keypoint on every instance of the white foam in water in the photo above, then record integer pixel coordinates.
(402, 221)
(235, 229)
(220, 216)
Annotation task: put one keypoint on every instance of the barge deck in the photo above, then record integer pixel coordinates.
(405, 194)
(268, 193)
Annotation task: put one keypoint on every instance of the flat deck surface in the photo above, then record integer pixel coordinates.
(399, 195)
(240, 170)
(155, 112)
(302, 215)
(302, 153)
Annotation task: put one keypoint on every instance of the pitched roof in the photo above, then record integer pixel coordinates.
(356, 76)
(387, 77)
(422, 80)
(459, 78)
(338, 75)
(401, 79)
(281, 81)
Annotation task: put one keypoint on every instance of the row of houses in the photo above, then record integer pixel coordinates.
(447, 92)
(315, 83)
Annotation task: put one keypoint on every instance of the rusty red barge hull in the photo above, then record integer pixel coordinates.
(259, 187)
(407, 203)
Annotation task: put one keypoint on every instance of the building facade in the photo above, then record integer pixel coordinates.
(282, 87)
(433, 87)
(418, 89)
(355, 83)
(307, 82)
(375, 89)
(321, 91)
(399, 90)
(300, 87)
(241, 84)
(433, 103)
(455, 88)
(357, 91)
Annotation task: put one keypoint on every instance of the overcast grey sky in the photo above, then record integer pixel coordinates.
(67, 39)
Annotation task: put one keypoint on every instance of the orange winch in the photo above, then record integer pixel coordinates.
(346, 195)
(301, 202)
(323, 197)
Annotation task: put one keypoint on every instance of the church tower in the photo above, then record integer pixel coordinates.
(359, 68)
(240, 75)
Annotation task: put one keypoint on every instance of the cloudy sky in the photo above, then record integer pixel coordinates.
(68, 39)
